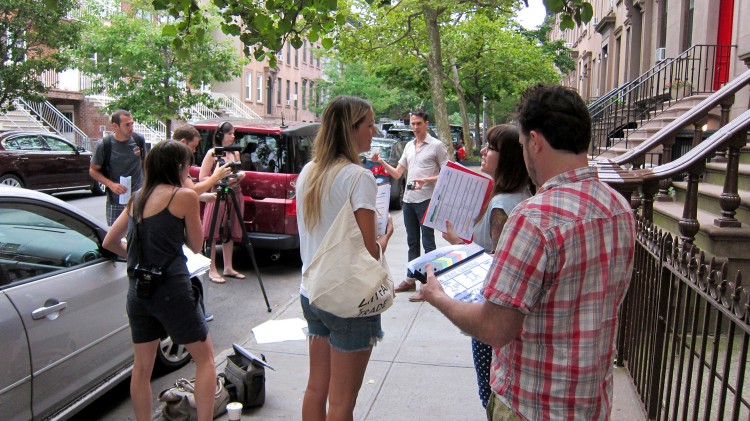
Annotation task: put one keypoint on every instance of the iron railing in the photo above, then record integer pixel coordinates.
(234, 106)
(60, 124)
(699, 69)
(684, 326)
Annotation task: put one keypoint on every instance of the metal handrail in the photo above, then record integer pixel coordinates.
(21, 108)
(234, 106)
(201, 111)
(58, 122)
(697, 70)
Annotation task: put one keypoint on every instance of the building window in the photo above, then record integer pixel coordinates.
(288, 92)
(311, 54)
(296, 57)
(259, 87)
(304, 94)
(304, 52)
(288, 54)
(312, 92)
(249, 87)
(296, 85)
(278, 91)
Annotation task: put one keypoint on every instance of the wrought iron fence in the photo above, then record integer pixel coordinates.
(684, 331)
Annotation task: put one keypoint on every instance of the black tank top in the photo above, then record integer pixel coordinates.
(162, 236)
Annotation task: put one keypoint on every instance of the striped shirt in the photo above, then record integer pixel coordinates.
(564, 260)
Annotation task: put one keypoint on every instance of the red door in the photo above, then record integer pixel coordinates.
(723, 42)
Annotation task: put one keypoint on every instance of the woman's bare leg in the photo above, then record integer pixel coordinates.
(316, 393)
(140, 379)
(347, 373)
(205, 377)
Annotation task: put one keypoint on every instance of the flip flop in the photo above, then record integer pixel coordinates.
(217, 279)
(235, 275)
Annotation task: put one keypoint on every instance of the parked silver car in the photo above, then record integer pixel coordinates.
(65, 334)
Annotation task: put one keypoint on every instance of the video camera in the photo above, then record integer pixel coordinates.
(219, 153)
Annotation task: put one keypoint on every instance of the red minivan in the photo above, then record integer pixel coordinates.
(272, 157)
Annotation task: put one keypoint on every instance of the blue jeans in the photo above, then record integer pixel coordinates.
(413, 223)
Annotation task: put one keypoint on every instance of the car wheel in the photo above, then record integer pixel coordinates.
(11, 180)
(98, 188)
(170, 356)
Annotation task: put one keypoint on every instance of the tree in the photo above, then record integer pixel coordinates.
(269, 24)
(360, 79)
(134, 61)
(34, 39)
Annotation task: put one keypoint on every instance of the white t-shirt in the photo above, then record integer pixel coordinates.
(363, 196)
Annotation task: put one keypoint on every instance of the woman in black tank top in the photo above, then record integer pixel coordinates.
(158, 220)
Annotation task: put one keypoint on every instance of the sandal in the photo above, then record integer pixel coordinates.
(217, 279)
(235, 275)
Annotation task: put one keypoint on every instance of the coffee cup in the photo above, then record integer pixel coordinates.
(234, 409)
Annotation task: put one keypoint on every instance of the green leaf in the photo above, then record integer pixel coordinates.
(554, 6)
(567, 22)
(327, 43)
(169, 30)
(587, 12)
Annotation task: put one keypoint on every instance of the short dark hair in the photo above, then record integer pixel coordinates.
(117, 115)
(421, 114)
(187, 132)
(557, 113)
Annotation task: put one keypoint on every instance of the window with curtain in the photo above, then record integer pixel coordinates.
(249, 87)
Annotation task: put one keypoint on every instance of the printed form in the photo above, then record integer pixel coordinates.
(459, 196)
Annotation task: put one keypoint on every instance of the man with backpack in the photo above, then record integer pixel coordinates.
(118, 155)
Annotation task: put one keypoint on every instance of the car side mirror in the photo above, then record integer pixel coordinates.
(80, 149)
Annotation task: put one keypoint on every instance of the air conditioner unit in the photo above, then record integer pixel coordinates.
(661, 54)
(595, 21)
(568, 45)
(288, 102)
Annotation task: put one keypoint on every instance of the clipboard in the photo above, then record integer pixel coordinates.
(250, 356)
(444, 259)
(460, 195)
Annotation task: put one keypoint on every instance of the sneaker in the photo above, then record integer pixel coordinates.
(409, 284)
(209, 317)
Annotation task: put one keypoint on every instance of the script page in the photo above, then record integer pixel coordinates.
(458, 197)
(382, 202)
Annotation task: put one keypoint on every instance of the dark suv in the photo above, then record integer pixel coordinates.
(272, 157)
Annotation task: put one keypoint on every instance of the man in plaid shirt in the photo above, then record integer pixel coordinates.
(561, 269)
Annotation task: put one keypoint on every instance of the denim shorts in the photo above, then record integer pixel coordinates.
(344, 334)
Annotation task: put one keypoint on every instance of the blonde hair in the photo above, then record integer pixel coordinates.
(334, 147)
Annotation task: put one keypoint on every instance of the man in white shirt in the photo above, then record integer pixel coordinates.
(422, 158)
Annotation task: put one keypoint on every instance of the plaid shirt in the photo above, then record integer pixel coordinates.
(564, 260)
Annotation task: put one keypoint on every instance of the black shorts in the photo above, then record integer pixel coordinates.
(173, 310)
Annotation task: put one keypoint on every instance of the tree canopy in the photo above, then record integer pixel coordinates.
(34, 39)
(133, 59)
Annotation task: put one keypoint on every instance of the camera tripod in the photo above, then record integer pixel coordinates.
(223, 192)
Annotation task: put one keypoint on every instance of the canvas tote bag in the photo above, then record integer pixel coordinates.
(343, 278)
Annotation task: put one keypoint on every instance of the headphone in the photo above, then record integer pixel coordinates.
(219, 135)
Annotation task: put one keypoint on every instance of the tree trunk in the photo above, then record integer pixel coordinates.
(478, 121)
(468, 143)
(437, 86)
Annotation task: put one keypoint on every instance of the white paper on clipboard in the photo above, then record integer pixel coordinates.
(458, 197)
(382, 202)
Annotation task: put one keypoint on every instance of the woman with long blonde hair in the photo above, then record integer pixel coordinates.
(339, 347)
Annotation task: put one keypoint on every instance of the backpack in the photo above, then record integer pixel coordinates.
(107, 144)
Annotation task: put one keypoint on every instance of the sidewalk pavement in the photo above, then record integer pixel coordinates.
(422, 370)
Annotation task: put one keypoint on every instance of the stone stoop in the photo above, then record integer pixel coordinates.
(731, 243)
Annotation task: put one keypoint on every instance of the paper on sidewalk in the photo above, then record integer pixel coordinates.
(382, 202)
(458, 197)
(280, 330)
(125, 181)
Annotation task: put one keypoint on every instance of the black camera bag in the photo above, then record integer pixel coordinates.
(247, 373)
